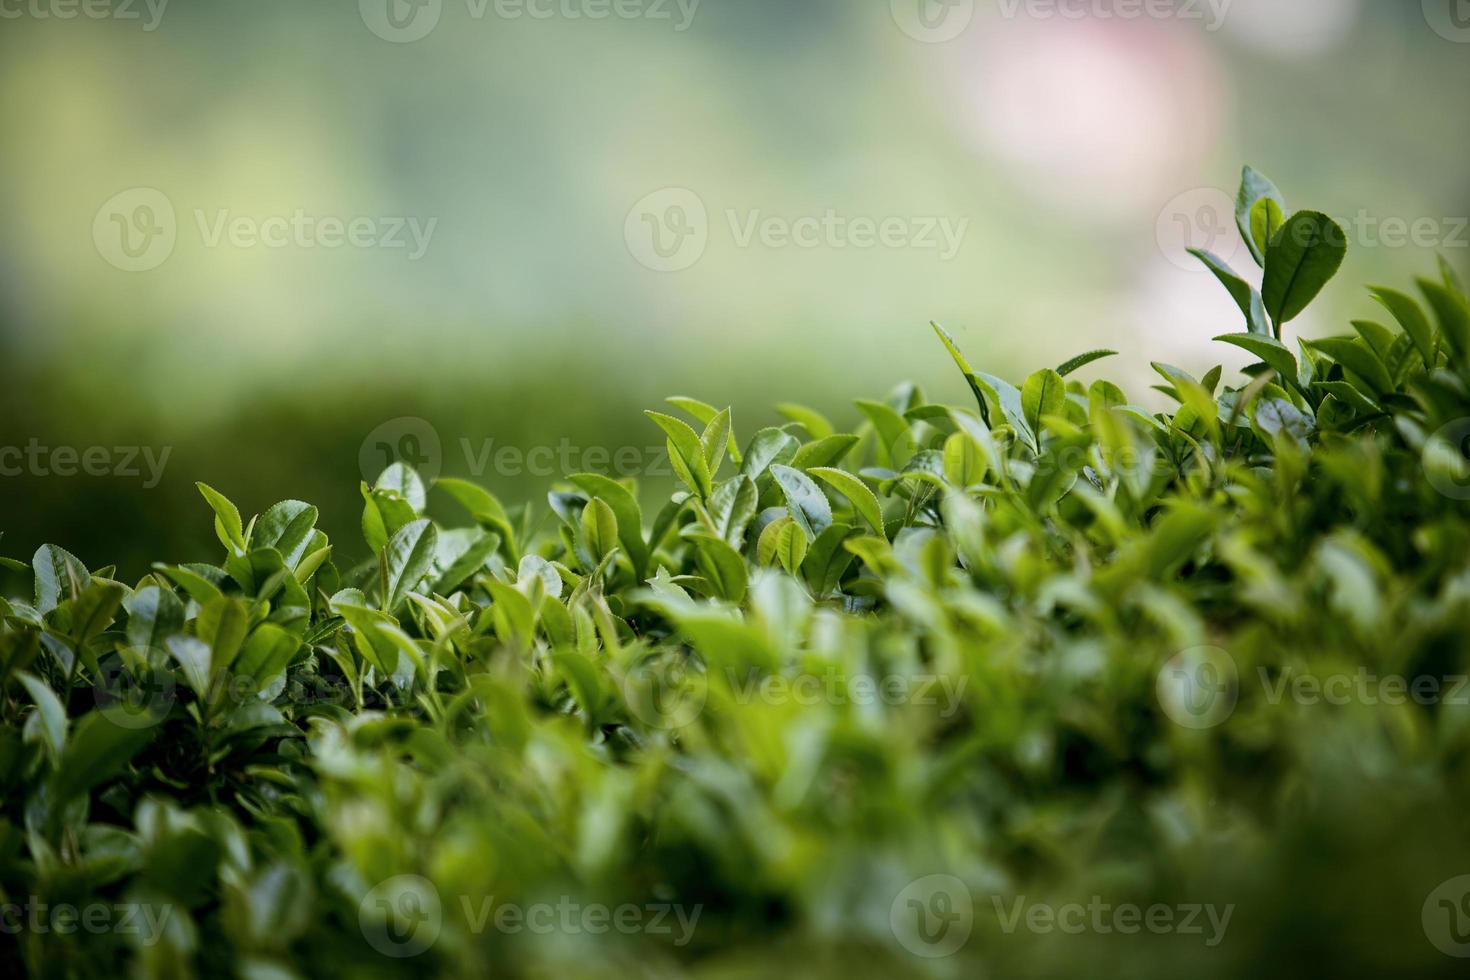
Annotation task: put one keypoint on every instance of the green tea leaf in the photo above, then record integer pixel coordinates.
(965, 369)
(1045, 393)
(1452, 312)
(484, 508)
(286, 527)
(1277, 416)
(599, 529)
(1269, 349)
(1246, 296)
(154, 614)
(403, 480)
(827, 560)
(813, 421)
(965, 464)
(462, 558)
(1451, 278)
(857, 493)
(1354, 355)
(60, 576)
(195, 660)
(385, 512)
(409, 557)
(713, 440)
(721, 566)
(893, 431)
(515, 617)
(1082, 360)
(199, 587)
(49, 710)
(805, 501)
(1410, 315)
(686, 453)
(782, 542)
(625, 508)
(766, 447)
(1008, 398)
(705, 413)
(266, 654)
(1303, 257)
(1380, 339)
(93, 611)
(97, 751)
(222, 625)
(1267, 217)
(731, 508)
(309, 563)
(1258, 206)
(827, 451)
(226, 520)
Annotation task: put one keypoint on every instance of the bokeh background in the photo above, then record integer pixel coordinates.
(540, 142)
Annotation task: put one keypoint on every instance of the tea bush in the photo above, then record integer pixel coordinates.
(1046, 685)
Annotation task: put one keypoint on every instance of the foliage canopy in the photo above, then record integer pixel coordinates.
(1049, 643)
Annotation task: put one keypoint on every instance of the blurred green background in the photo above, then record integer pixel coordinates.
(1076, 153)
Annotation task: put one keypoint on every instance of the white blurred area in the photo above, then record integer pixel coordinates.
(1288, 28)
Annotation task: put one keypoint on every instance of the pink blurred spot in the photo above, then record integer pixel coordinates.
(1094, 115)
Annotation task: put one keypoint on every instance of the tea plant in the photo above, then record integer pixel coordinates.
(1050, 644)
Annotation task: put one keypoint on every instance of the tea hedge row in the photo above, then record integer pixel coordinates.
(851, 699)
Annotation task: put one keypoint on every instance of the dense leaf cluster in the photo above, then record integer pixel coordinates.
(1049, 644)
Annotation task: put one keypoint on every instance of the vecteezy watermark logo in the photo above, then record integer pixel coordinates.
(404, 21)
(1446, 460)
(142, 920)
(134, 695)
(407, 439)
(415, 442)
(834, 230)
(1446, 917)
(1367, 230)
(546, 460)
(301, 229)
(35, 459)
(933, 916)
(1198, 687)
(568, 916)
(1363, 687)
(1104, 918)
(933, 21)
(1211, 12)
(402, 916)
(668, 230)
(150, 12)
(1202, 218)
(136, 229)
(943, 692)
(400, 21)
(937, 21)
(1450, 19)
(665, 692)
